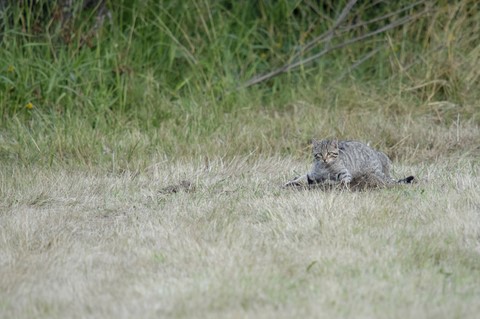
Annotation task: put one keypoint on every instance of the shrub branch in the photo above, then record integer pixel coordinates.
(328, 36)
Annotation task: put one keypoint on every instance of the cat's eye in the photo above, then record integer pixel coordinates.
(317, 156)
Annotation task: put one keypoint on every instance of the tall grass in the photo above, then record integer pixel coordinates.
(165, 77)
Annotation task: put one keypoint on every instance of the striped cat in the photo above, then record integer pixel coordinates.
(347, 162)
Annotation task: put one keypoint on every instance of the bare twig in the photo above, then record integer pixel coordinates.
(325, 36)
(358, 63)
(329, 34)
(290, 66)
(386, 16)
(320, 39)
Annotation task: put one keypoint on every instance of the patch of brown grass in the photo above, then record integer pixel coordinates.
(78, 243)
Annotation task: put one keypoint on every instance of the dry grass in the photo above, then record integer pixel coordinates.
(96, 221)
(87, 244)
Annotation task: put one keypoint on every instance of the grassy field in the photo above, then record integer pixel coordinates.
(82, 243)
(141, 174)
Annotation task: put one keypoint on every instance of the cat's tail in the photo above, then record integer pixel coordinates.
(407, 180)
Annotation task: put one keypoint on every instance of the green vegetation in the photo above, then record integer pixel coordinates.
(97, 121)
(165, 78)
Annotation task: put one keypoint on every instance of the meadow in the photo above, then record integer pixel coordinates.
(142, 160)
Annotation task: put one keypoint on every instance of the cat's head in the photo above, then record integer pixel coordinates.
(325, 151)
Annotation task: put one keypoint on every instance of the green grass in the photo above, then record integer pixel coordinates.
(169, 76)
(155, 96)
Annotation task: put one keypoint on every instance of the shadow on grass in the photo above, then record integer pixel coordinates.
(358, 184)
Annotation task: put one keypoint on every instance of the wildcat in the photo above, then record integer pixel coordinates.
(348, 162)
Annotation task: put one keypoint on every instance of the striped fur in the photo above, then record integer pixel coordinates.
(346, 162)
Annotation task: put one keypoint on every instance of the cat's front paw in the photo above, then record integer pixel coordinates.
(345, 183)
(291, 184)
(300, 181)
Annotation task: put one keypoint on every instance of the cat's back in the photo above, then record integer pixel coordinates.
(358, 156)
(355, 147)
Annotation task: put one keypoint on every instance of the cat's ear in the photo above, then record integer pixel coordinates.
(335, 143)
